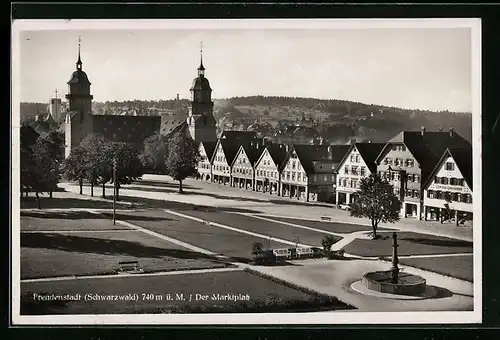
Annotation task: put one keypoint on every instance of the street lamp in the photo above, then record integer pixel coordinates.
(114, 191)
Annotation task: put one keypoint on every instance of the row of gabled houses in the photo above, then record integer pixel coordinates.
(431, 171)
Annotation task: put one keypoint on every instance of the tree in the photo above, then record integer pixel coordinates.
(155, 153)
(75, 166)
(96, 160)
(43, 170)
(376, 200)
(54, 141)
(327, 242)
(128, 165)
(183, 157)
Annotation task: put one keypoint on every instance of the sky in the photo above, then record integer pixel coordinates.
(414, 68)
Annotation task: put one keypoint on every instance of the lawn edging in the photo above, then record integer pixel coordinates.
(318, 295)
(117, 273)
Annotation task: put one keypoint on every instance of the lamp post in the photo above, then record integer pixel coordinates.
(114, 191)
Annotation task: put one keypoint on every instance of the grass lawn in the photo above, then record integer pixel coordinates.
(68, 220)
(256, 225)
(235, 245)
(86, 253)
(460, 267)
(261, 292)
(410, 243)
(334, 227)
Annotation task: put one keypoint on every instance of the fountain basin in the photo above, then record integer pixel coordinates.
(407, 284)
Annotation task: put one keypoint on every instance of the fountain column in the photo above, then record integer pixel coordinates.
(395, 260)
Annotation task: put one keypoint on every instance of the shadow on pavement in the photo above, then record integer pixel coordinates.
(438, 242)
(68, 203)
(81, 215)
(71, 243)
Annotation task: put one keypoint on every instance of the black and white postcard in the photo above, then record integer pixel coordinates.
(246, 172)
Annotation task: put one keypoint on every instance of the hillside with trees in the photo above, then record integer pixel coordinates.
(337, 121)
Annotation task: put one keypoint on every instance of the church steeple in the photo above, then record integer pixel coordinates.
(201, 69)
(79, 62)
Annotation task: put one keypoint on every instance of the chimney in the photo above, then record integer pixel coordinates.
(452, 131)
(422, 130)
(177, 96)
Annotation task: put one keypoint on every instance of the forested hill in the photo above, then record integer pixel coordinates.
(343, 118)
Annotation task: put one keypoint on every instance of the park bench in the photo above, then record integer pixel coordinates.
(326, 218)
(283, 253)
(128, 266)
(303, 251)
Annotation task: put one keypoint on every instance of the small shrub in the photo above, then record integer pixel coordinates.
(327, 243)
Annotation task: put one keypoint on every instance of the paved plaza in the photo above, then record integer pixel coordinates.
(208, 232)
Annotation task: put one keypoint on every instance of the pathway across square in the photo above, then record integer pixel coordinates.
(410, 243)
(156, 294)
(260, 226)
(232, 244)
(335, 227)
(97, 250)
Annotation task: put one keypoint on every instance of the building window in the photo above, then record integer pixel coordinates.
(304, 178)
(437, 180)
(354, 170)
(409, 163)
(469, 198)
(450, 166)
(389, 161)
(454, 197)
(444, 180)
(447, 196)
(293, 165)
(357, 158)
(363, 171)
(352, 158)
(299, 177)
(344, 182)
(430, 193)
(346, 170)
(314, 179)
(460, 182)
(288, 175)
(293, 176)
(325, 178)
(416, 194)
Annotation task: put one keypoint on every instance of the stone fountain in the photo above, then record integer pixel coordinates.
(393, 281)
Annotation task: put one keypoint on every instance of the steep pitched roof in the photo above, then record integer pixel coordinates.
(126, 129)
(209, 148)
(230, 149)
(463, 160)
(427, 147)
(308, 154)
(278, 154)
(369, 152)
(253, 152)
(171, 124)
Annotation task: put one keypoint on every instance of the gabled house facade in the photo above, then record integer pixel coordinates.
(358, 162)
(206, 150)
(407, 160)
(268, 169)
(222, 158)
(309, 171)
(242, 167)
(448, 190)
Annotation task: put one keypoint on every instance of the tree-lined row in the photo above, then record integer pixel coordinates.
(42, 165)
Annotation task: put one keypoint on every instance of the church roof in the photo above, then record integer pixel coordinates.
(126, 129)
(173, 123)
(79, 77)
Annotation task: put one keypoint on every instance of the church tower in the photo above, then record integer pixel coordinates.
(202, 125)
(78, 122)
